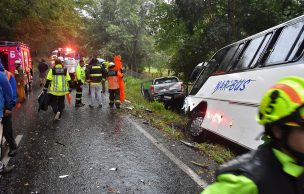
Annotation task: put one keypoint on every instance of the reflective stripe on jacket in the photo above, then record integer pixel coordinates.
(95, 74)
(80, 74)
(59, 78)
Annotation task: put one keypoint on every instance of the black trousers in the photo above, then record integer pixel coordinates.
(78, 93)
(8, 131)
(114, 97)
(57, 103)
(103, 83)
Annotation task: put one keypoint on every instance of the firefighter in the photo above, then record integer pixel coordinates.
(57, 85)
(95, 74)
(276, 167)
(113, 84)
(80, 79)
(19, 75)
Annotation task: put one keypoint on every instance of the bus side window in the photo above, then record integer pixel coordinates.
(226, 60)
(261, 49)
(275, 35)
(284, 44)
(249, 53)
(236, 56)
(298, 49)
(230, 58)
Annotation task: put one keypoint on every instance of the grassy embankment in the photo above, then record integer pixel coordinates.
(153, 112)
(167, 121)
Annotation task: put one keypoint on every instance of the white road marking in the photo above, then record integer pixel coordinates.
(6, 158)
(172, 157)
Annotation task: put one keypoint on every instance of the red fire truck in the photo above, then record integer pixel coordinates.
(12, 51)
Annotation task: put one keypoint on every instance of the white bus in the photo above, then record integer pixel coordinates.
(226, 95)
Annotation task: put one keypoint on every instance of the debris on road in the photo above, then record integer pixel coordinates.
(188, 144)
(112, 190)
(51, 158)
(63, 176)
(130, 108)
(198, 164)
(148, 110)
(113, 169)
(142, 181)
(59, 143)
(26, 184)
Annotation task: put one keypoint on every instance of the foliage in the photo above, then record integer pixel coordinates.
(160, 117)
(44, 25)
(191, 31)
(118, 27)
(217, 153)
(175, 34)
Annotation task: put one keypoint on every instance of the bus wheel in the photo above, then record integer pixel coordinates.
(195, 129)
(195, 126)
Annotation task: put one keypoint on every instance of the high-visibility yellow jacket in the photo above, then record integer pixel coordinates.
(80, 73)
(59, 78)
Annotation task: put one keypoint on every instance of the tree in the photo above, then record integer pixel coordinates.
(193, 30)
(44, 25)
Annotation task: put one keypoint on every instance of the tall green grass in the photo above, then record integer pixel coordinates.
(160, 117)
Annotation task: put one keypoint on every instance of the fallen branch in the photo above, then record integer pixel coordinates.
(188, 144)
(198, 164)
(59, 143)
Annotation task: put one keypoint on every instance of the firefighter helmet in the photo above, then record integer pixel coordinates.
(283, 103)
(111, 65)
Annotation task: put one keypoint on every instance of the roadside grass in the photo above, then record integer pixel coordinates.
(218, 153)
(153, 112)
(167, 121)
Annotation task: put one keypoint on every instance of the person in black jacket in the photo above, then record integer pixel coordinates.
(95, 74)
(42, 67)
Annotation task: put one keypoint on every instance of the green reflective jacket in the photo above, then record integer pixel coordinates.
(80, 74)
(59, 85)
(232, 184)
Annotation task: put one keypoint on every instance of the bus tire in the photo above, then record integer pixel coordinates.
(194, 125)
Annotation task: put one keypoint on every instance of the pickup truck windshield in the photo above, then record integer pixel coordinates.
(165, 80)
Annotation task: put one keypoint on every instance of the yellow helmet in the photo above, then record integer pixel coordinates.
(283, 103)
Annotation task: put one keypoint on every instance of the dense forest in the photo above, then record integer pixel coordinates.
(172, 34)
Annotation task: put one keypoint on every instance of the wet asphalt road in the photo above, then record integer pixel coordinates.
(85, 145)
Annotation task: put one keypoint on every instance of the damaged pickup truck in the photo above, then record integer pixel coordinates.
(169, 90)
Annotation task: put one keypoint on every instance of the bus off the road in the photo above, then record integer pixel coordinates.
(226, 95)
